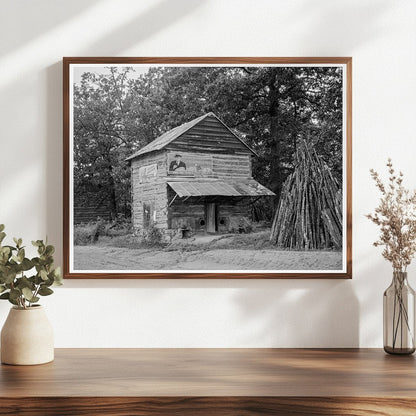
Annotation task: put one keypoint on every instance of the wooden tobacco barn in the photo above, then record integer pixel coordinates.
(196, 177)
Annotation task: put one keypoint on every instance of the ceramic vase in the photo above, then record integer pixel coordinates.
(27, 337)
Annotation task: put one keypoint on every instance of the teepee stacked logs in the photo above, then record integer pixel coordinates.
(309, 214)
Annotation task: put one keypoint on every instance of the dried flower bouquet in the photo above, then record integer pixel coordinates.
(396, 217)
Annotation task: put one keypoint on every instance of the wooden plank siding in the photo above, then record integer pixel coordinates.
(225, 166)
(151, 192)
(232, 166)
(232, 213)
(91, 213)
(210, 136)
(187, 215)
(210, 151)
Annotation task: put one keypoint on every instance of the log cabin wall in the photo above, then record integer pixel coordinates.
(92, 212)
(210, 151)
(189, 215)
(209, 136)
(233, 214)
(148, 179)
(211, 165)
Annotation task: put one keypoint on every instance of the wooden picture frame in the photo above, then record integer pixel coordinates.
(182, 154)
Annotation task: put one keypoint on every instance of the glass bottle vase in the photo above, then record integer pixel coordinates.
(399, 316)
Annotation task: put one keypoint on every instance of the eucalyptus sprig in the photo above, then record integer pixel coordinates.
(16, 285)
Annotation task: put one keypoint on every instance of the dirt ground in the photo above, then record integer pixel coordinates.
(114, 258)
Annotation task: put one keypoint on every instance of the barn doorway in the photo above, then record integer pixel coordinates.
(148, 215)
(211, 217)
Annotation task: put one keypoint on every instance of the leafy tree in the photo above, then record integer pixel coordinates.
(268, 107)
(104, 123)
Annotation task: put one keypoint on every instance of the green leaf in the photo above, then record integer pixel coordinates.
(57, 276)
(11, 248)
(2, 227)
(56, 272)
(28, 294)
(2, 288)
(35, 261)
(38, 280)
(7, 297)
(43, 274)
(45, 291)
(37, 243)
(48, 282)
(15, 293)
(26, 264)
(24, 282)
(5, 250)
(9, 277)
(3, 258)
(2, 236)
(21, 255)
(49, 250)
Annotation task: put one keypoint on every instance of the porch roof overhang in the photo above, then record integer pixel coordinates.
(198, 188)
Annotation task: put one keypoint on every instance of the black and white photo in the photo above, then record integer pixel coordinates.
(208, 168)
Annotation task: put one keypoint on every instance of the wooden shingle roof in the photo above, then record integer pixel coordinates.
(171, 135)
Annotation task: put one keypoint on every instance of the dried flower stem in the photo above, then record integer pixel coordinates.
(396, 217)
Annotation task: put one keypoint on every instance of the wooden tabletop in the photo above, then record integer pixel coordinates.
(358, 375)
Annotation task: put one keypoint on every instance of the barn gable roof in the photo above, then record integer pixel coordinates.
(171, 135)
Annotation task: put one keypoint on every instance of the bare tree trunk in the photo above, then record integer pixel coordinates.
(275, 148)
(112, 192)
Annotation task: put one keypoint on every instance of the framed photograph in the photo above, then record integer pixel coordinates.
(207, 168)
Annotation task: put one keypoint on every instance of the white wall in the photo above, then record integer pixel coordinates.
(380, 35)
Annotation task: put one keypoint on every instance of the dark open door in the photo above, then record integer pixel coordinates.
(211, 215)
(147, 214)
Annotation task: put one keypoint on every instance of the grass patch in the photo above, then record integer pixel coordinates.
(125, 241)
(92, 232)
(119, 234)
(250, 241)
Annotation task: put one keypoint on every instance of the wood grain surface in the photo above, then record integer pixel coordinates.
(212, 381)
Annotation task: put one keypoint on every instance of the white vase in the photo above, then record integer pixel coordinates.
(27, 337)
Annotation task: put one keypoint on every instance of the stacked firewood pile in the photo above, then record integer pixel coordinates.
(309, 214)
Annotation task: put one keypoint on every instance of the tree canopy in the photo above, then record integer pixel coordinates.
(271, 108)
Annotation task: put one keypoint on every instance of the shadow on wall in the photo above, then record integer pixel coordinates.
(337, 18)
(301, 313)
(307, 19)
(41, 16)
(347, 25)
(307, 313)
(158, 17)
(152, 20)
